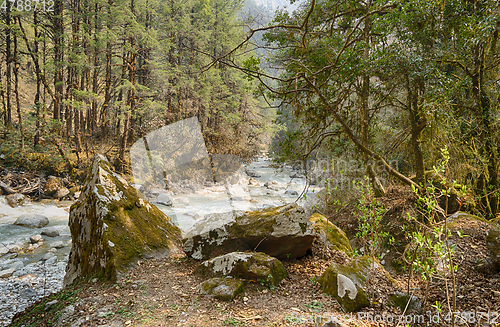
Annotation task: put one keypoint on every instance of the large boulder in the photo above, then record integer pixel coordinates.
(112, 227)
(284, 232)
(32, 220)
(250, 266)
(347, 283)
(330, 235)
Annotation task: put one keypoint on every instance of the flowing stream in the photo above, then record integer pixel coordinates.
(40, 272)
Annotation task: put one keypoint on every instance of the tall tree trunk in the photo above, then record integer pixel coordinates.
(16, 90)
(8, 72)
(107, 87)
(418, 123)
(377, 186)
(38, 73)
(58, 30)
(488, 150)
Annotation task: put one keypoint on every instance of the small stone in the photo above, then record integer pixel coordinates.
(3, 250)
(95, 280)
(291, 192)
(14, 249)
(50, 232)
(58, 244)
(17, 265)
(164, 199)
(47, 256)
(53, 250)
(7, 273)
(15, 200)
(35, 239)
(61, 193)
(49, 304)
(32, 221)
(28, 293)
(51, 261)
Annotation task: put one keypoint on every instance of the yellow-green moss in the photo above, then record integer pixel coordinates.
(336, 239)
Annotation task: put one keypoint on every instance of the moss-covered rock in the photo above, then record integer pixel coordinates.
(250, 266)
(112, 227)
(347, 283)
(329, 234)
(493, 245)
(52, 185)
(284, 232)
(405, 302)
(224, 289)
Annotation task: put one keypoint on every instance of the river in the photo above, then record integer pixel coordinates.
(40, 272)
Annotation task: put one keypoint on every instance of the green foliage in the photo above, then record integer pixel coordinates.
(44, 157)
(370, 214)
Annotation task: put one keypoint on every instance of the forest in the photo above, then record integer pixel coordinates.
(377, 81)
(80, 77)
(392, 108)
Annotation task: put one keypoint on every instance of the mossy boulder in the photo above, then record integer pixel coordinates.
(52, 185)
(493, 245)
(112, 226)
(224, 289)
(347, 283)
(284, 232)
(329, 234)
(250, 266)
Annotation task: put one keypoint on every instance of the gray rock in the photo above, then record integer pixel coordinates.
(28, 293)
(49, 304)
(47, 256)
(61, 193)
(15, 200)
(252, 173)
(237, 193)
(400, 300)
(7, 273)
(32, 220)
(35, 239)
(284, 232)
(50, 232)
(58, 244)
(51, 261)
(291, 192)
(14, 249)
(3, 250)
(17, 265)
(164, 199)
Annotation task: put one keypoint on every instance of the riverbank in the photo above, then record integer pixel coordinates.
(32, 271)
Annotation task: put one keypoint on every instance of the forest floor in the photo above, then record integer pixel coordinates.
(165, 293)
